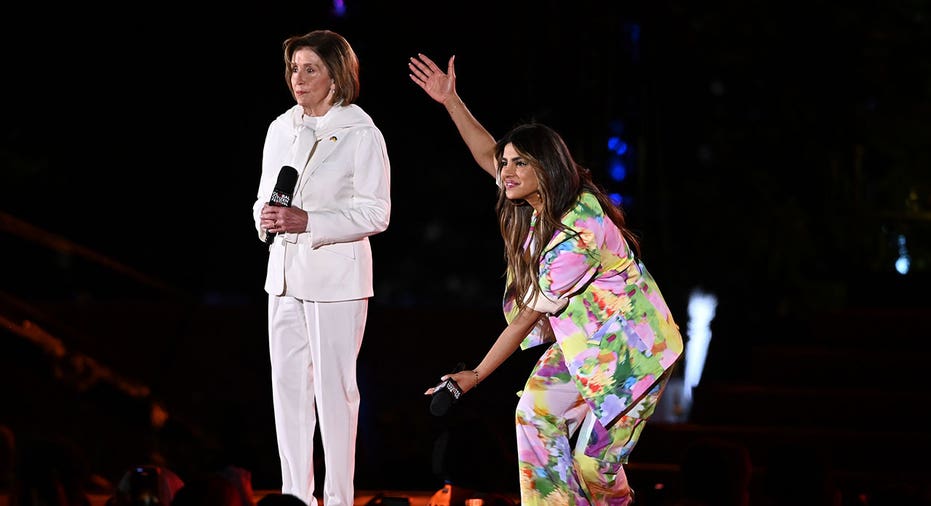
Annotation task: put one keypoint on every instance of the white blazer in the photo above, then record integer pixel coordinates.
(343, 185)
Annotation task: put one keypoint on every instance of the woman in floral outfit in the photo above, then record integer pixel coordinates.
(573, 281)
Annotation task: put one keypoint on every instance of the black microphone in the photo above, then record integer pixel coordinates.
(281, 195)
(445, 394)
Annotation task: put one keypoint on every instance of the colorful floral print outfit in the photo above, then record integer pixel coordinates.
(615, 346)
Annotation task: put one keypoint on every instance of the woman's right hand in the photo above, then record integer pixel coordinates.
(438, 84)
(441, 86)
(467, 380)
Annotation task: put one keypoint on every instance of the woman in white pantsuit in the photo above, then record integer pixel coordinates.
(319, 274)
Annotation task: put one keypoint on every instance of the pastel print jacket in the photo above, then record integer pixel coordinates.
(614, 328)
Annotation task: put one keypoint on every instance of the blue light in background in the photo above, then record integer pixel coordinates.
(620, 153)
(339, 7)
(618, 170)
(616, 127)
(634, 30)
(616, 145)
(903, 263)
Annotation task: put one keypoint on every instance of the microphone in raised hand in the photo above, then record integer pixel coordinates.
(282, 194)
(446, 393)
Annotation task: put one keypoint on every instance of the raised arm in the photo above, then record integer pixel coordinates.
(441, 87)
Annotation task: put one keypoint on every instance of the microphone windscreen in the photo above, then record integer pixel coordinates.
(284, 188)
(444, 396)
(287, 178)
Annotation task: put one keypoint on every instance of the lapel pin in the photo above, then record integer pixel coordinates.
(333, 138)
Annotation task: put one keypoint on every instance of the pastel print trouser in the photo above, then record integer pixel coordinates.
(549, 412)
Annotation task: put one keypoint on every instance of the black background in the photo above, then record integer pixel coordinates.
(778, 150)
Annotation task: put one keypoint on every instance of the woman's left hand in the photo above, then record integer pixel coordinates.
(282, 220)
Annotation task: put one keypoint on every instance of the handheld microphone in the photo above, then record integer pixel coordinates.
(445, 394)
(281, 195)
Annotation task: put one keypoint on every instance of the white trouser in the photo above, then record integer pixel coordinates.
(313, 348)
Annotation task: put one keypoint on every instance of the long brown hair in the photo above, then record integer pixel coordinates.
(562, 181)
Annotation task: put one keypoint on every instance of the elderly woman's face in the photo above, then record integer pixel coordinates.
(313, 87)
(519, 178)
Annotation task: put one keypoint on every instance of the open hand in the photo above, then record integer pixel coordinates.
(438, 84)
